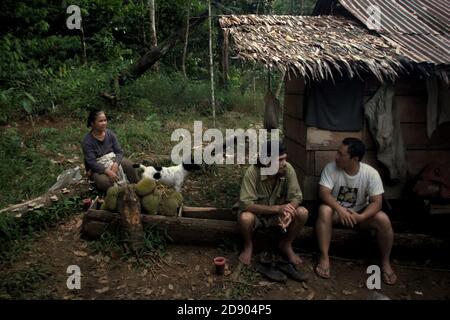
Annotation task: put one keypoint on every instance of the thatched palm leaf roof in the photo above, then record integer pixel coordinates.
(316, 47)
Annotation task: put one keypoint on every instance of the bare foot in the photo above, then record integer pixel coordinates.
(323, 268)
(290, 254)
(389, 276)
(246, 255)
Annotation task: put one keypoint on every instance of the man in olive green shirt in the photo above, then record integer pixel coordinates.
(271, 200)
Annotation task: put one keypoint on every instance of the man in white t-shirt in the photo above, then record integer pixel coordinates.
(352, 194)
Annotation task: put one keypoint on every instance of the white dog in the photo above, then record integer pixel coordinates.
(172, 176)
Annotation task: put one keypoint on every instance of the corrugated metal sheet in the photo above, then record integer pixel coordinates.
(419, 29)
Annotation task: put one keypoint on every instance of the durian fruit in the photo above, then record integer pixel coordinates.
(145, 186)
(168, 207)
(151, 202)
(178, 196)
(103, 206)
(111, 198)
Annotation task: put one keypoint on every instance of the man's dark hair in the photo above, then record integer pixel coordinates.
(356, 147)
(92, 116)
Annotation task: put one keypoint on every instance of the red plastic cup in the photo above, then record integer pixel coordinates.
(87, 204)
(219, 262)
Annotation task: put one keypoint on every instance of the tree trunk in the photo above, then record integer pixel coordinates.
(210, 231)
(150, 58)
(302, 5)
(153, 36)
(129, 208)
(211, 65)
(222, 44)
(83, 43)
(144, 36)
(186, 40)
(181, 230)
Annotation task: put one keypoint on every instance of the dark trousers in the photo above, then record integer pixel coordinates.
(102, 181)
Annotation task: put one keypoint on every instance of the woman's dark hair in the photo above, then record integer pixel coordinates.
(356, 147)
(92, 116)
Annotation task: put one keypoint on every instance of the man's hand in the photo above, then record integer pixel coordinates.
(358, 218)
(346, 217)
(286, 213)
(286, 209)
(111, 175)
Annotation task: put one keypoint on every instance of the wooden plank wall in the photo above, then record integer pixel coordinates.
(411, 99)
(310, 149)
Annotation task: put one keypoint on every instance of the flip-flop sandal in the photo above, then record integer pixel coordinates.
(389, 278)
(321, 272)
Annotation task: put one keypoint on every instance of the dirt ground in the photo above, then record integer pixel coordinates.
(188, 273)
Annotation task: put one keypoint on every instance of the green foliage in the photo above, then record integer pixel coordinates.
(18, 284)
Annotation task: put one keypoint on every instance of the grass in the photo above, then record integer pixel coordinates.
(15, 234)
(25, 283)
(149, 256)
(32, 157)
(33, 153)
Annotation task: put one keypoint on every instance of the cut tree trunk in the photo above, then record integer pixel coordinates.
(129, 208)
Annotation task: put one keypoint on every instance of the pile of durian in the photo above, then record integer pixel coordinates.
(155, 198)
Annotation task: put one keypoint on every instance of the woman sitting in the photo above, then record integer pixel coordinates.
(103, 156)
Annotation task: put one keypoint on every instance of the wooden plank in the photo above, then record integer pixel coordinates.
(415, 135)
(410, 86)
(412, 108)
(209, 213)
(298, 155)
(310, 188)
(293, 105)
(294, 85)
(322, 159)
(295, 129)
(318, 139)
(300, 172)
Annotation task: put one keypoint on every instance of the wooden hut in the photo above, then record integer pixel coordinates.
(406, 51)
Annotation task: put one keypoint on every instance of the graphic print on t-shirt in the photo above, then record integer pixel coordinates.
(347, 196)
